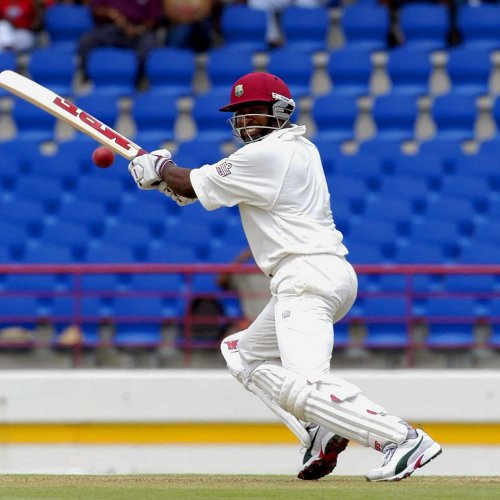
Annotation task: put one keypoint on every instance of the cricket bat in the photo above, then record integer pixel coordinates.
(65, 110)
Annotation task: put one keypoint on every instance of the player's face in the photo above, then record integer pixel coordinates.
(252, 121)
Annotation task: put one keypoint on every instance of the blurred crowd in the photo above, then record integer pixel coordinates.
(193, 24)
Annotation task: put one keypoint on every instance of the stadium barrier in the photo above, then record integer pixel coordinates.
(138, 309)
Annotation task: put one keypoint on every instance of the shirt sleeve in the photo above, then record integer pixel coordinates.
(253, 175)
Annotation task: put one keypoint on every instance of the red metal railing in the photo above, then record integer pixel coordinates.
(185, 321)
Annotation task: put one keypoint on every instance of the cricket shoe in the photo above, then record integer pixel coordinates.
(321, 457)
(400, 461)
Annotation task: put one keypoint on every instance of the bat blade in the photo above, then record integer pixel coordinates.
(65, 110)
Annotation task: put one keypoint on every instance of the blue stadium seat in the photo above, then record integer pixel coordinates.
(22, 212)
(244, 28)
(170, 71)
(134, 237)
(294, 67)
(32, 124)
(103, 252)
(446, 149)
(113, 71)
(38, 252)
(103, 107)
(65, 23)
(380, 148)
(478, 25)
(424, 166)
(137, 336)
(210, 123)
(20, 311)
(469, 70)
(397, 210)
(365, 26)
(488, 232)
(494, 339)
(409, 71)
(104, 282)
(224, 66)
(47, 190)
(305, 29)
(373, 231)
(481, 164)
(425, 26)
(94, 187)
(7, 61)
(450, 322)
(138, 321)
(341, 338)
(63, 167)
(166, 252)
(148, 307)
(35, 282)
(455, 116)
(171, 285)
(203, 152)
(439, 231)
(419, 253)
(155, 116)
(416, 190)
(335, 117)
(385, 321)
(90, 213)
(73, 236)
(350, 71)
(53, 68)
(469, 186)
(361, 253)
(348, 187)
(480, 253)
(468, 283)
(449, 207)
(395, 117)
(362, 166)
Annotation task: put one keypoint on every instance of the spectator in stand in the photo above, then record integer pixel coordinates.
(274, 9)
(131, 24)
(19, 22)
(190, 23)
(252, 288)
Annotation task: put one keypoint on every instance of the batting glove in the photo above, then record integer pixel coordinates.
(145, 169)
(180, 200)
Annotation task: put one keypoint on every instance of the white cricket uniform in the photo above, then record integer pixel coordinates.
(280, 187)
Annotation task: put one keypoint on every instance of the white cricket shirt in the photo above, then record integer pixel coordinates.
(280, 187)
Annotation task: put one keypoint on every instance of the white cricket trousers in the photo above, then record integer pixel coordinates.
(309, 294)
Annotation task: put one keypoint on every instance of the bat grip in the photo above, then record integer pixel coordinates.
(141, 152)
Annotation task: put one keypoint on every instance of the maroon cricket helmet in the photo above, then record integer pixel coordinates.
(257, 87)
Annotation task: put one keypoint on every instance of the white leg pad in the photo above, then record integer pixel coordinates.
(229, 349)
(336, 404)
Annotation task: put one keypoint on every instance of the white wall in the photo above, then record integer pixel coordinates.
(213, 395)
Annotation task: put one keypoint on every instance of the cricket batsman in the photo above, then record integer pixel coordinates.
(276, 178)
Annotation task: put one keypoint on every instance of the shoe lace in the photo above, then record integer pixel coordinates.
(388, 453)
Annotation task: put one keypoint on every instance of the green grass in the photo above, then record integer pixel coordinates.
(207, 487)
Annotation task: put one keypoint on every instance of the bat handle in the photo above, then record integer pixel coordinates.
(141, 152)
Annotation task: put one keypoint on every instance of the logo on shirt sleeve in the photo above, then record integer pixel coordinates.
(224, 168)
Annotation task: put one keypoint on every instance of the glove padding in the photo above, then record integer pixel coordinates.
(180, 200)
(145, 169)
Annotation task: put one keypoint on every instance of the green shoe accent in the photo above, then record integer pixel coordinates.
(308, 453)
(403, 461)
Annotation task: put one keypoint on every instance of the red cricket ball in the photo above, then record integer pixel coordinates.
(103, 157)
